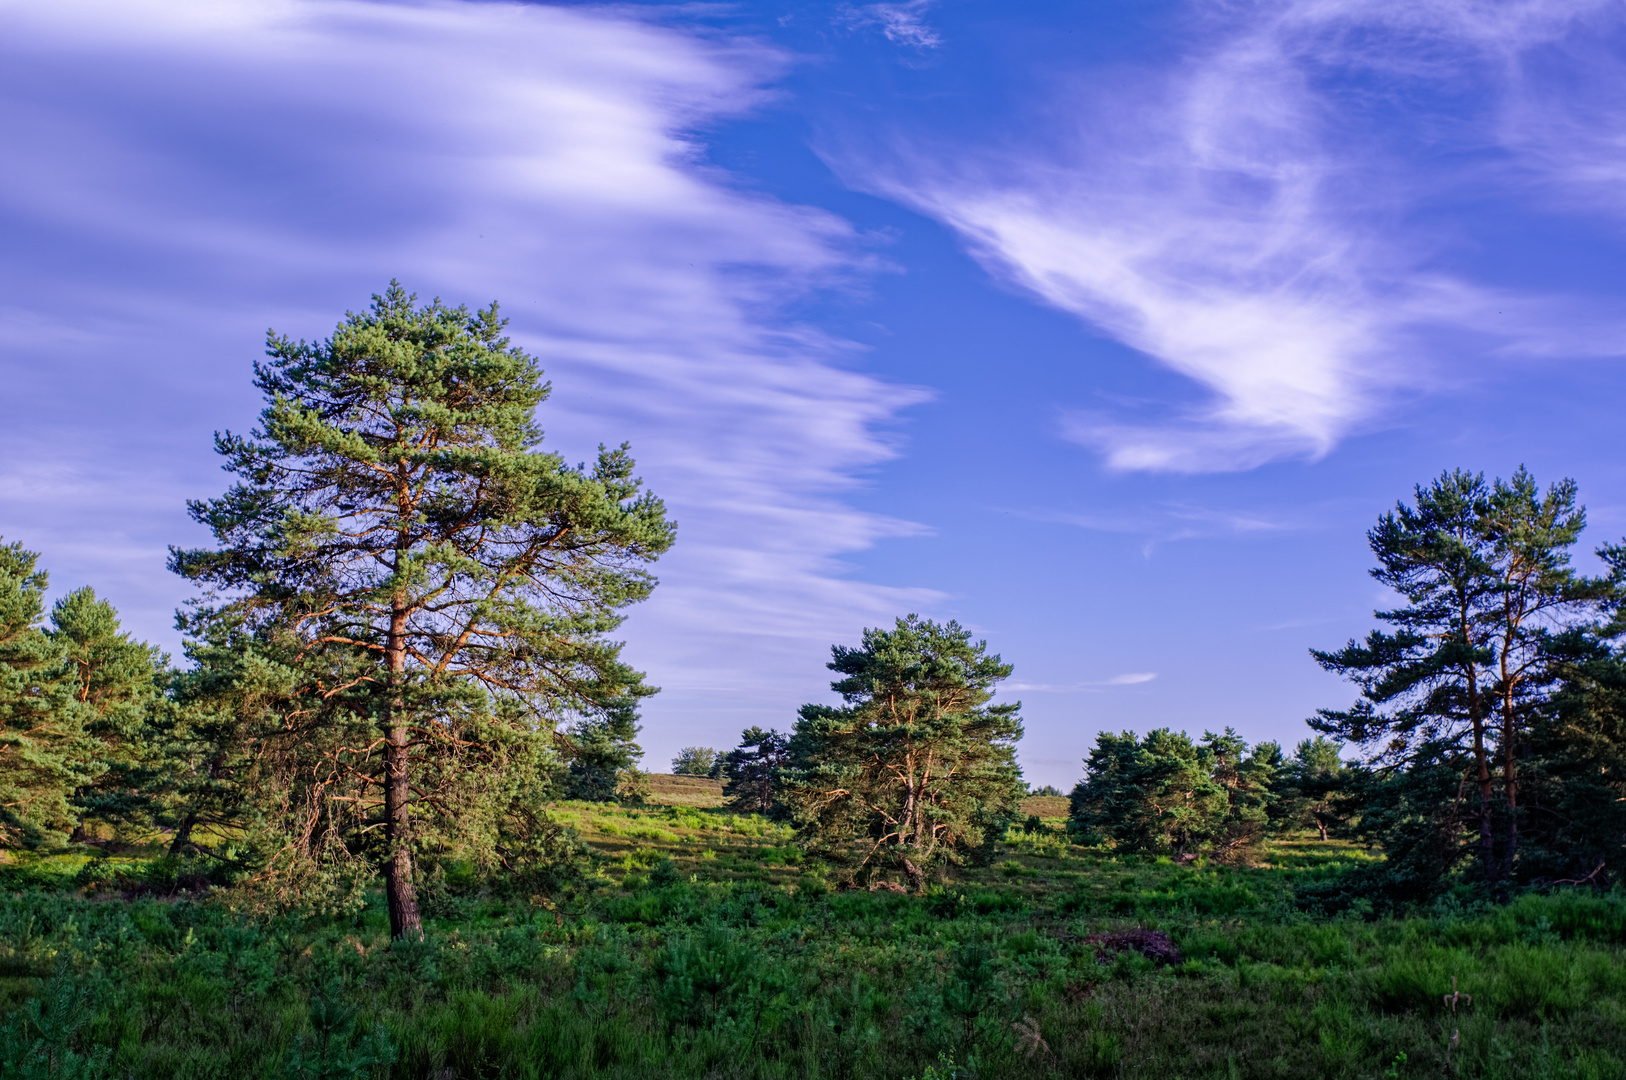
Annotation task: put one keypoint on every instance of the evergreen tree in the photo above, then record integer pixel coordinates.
(602, 753)
(1484, 570)
(45, 752)
(1539, 597)
(1247, 780)
(117, 686)
(263, 774)
(448, 583)
(1574, 782)
(751, 771)
(1145, 795)
(1432, 671)
(1311, 787)
(916, 767)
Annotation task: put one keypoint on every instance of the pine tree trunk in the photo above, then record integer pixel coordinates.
(1487, 849)
(1510, 781)
(183, 834)
(400, 890)
(915, 874)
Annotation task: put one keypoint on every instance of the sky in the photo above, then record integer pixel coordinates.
(1105, 328)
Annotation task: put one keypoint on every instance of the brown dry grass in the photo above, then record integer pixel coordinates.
(666, 789)
(1048, 807)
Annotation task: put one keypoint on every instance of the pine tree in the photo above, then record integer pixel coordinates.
(603, 754)
(1432, 671)
(1247, 779)
(1573, 785)
(117, 685)
(752, 770)
(1310, 786)
(394, 514)
(1539, 596)
(1156, 794)
(1484, 570)
(45, 752)
(916, 767)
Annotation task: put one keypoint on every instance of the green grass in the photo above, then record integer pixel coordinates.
(709, 948)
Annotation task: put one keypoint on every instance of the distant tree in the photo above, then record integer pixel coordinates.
(1311, 786)
(440, 579)
(118, 684)
(1247, 779)
(1167, 794)
(694, 761)
(1047, 791)
(1154, 794)
(46, 755)
(1485, 576)
(916, 767)
(751, 771)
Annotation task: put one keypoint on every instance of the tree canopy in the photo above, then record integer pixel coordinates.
(916, 767)
(1167, 794)
(1453, 694)
(436, 576)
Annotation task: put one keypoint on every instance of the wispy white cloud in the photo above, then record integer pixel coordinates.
(1241, 217)
(1134, 678)
(902, 23)
(188, 174)
(1157, 524)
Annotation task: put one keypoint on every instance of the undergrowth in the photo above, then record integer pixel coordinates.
(748, 964)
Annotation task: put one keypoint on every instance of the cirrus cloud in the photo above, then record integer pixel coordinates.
(1246, 216)
(184, 175)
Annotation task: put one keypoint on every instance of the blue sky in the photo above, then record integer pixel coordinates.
(1106, 328)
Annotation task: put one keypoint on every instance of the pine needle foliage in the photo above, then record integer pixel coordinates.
(1475, 655)
(45, 752)
(916, 768)
(396, 520)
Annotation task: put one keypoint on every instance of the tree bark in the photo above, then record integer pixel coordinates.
(1510, 780)
(915, 874)
(183, 834)
(1487, 849)
(400, 890)
(183, 831)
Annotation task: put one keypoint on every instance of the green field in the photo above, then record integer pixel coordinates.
(709, 947)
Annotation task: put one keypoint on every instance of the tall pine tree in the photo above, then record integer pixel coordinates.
(1484, 572)
(394, 512)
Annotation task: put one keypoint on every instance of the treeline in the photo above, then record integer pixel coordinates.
(1488, 742)
(400, 655)
(1167, 794)
(1490, 726)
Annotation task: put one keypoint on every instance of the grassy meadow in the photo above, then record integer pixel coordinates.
(707, 946)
